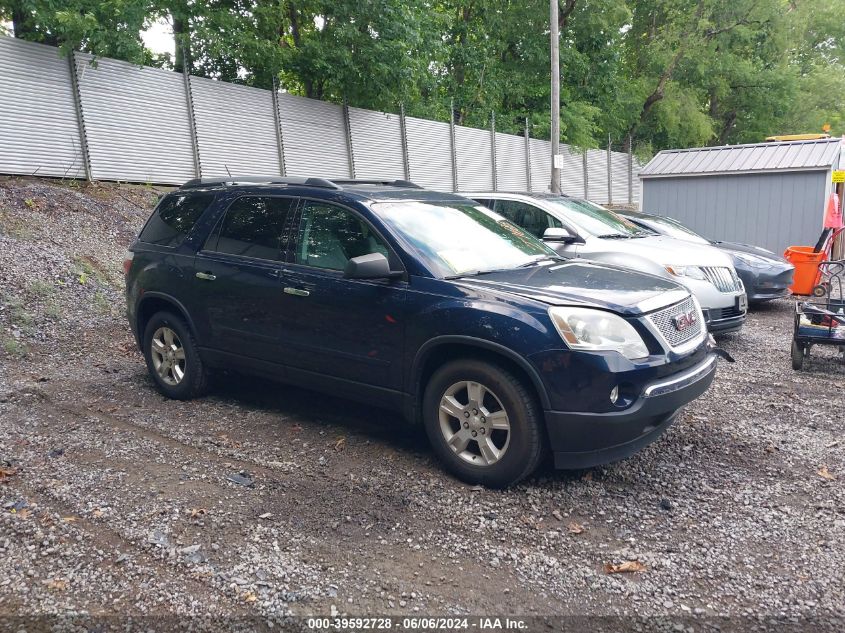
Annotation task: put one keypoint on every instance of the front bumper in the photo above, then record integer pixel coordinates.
(583, 440)
(723, 320)
(765, 284)
(722, 312)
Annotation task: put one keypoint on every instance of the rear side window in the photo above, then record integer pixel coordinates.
(174, 218)
(253, 227)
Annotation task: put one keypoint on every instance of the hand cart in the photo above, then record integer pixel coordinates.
(821, 321)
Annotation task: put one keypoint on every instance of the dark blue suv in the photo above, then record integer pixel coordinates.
(424, 302)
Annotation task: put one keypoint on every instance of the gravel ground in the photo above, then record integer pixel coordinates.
(263, 501)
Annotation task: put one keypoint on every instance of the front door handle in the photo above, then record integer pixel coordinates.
(297, 292)
(206, 276)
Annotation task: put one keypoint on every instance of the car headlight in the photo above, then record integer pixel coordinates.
(588, 329)
(693, 272)
(752, 260)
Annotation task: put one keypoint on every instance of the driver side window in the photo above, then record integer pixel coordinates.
(530, 218)
(330, 236)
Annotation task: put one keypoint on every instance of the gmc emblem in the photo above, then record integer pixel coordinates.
(685, 320)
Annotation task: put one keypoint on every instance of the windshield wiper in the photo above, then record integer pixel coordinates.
(615, 236)
(475, 273)
(542, 258)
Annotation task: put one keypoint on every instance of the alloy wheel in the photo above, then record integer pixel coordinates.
(168, 356)
(474, 423)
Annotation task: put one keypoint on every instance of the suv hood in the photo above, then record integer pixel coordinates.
(736, 247)
(666, 251)
(582, 283)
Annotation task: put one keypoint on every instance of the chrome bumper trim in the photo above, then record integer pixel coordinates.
(679, 382)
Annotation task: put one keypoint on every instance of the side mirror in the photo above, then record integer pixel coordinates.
(371, 266)
(562, 235)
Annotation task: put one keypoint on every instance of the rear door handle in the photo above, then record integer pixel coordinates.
(206, 276)
(297, 292)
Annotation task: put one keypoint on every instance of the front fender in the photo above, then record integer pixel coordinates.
(494, 327)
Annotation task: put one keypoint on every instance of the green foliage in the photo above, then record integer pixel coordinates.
(101, 302)
(667, 72)
(109, 28)
(41, 289)
(18, 314)
(14, 348)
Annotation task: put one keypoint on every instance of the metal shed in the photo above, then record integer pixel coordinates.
(769, 194)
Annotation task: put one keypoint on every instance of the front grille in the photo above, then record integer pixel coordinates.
(723, 278)
(718, 314)
(663, 320)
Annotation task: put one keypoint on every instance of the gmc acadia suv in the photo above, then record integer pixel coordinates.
(420, 301)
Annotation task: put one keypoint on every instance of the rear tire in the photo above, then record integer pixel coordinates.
(483, 422)
(173, 358)
(797, 356)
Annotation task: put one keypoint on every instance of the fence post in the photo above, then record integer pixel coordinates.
(493, 148)
(80, 118)
(609, 172)
(406, 160)
(192, 122)
(630, 152)
(453, 147)
(586, 177)
(348, 125)
(277, 117)
(527, 155)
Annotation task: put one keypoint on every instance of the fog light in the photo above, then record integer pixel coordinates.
(614, 394)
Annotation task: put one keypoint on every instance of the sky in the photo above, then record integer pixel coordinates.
(159, 37)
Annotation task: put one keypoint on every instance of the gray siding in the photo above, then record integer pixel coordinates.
(429, 153)
(474, 149)
(39, 131)
(146, 124)
(236, 129)
(314, 135)
(541, 165)
(376, 144)
(136, 122)
(511, 172)
(773, 210)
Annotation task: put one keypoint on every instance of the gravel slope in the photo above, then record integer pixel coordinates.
(116, 501)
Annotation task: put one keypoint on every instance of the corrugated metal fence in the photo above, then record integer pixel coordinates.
(111, 120)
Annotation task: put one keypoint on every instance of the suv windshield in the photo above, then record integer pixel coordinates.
(675, 229)
(595, 220)
(462, 238)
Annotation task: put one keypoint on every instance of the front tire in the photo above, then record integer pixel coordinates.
(797, 355)
(483, 422)
(173, 359)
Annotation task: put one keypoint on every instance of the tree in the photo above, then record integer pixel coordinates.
(105, 28)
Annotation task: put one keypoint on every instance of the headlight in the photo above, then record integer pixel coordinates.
(584, 328)
(752, 260)
(693, 272)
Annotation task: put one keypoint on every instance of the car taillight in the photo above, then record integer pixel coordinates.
(127, 262)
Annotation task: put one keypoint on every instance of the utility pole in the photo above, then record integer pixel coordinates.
(555, 30)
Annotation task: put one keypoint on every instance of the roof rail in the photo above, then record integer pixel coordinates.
(407, 184)
(197, 183)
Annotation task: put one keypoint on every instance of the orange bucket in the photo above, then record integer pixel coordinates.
(806, 264)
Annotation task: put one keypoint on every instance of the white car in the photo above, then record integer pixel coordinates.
(579, 228)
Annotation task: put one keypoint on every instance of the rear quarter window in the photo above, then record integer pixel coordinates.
(174, 218)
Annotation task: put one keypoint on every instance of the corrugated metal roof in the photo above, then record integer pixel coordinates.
(756, 157)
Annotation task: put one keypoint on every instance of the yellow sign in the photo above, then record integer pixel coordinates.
(839, 175)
